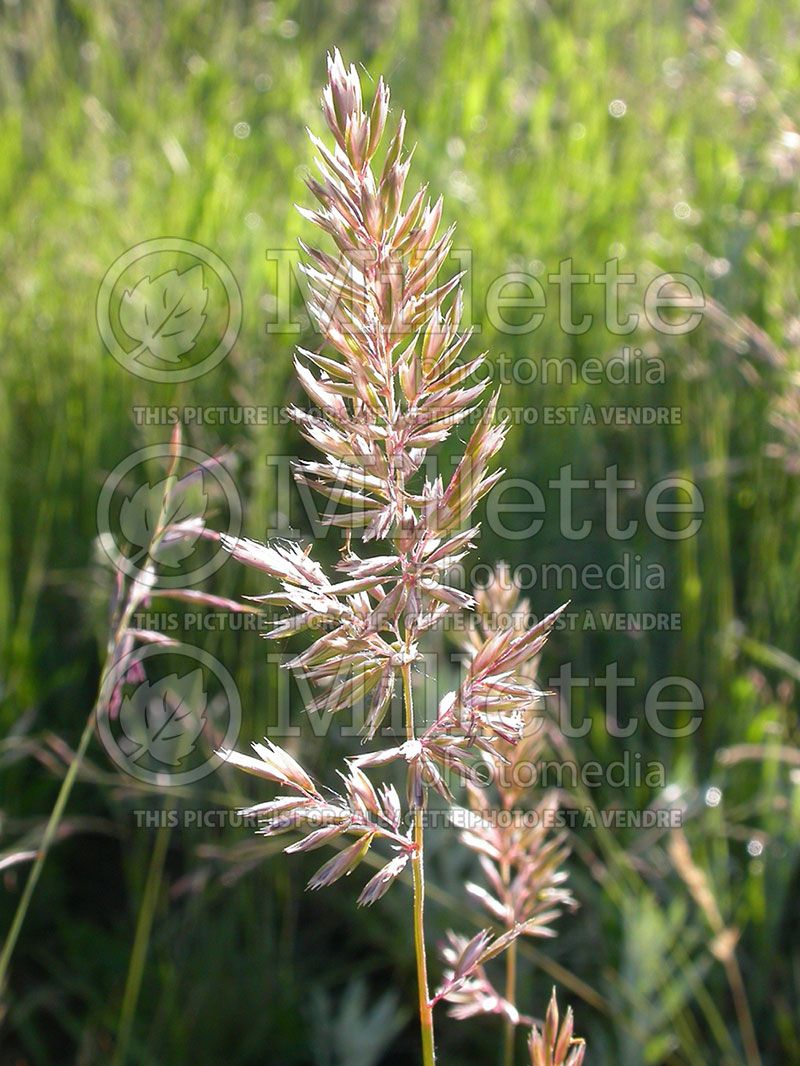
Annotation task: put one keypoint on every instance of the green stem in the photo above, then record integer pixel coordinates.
(418, 872)
(509, 1030)
(743, 1015)
(425, 1010)
(141, 943)
(72, 771)
(44, 847)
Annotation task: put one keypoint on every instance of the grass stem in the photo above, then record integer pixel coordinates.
(509, 1030)
(48, 836)
(418, 873)
(141, 943)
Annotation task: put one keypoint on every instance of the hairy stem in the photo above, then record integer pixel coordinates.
(418, 871)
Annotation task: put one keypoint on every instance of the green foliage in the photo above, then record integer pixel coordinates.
(118, 126)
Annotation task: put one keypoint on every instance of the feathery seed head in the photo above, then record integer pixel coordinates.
(388, 384)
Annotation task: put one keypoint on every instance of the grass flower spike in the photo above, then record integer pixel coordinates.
(387, 384)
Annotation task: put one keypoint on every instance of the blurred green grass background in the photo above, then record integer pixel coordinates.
(118, 126)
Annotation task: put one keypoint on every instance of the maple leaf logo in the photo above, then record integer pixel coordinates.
(165, 314)
(183, 510)
(164, 720)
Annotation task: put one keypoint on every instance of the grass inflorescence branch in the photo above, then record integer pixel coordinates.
(387, 384)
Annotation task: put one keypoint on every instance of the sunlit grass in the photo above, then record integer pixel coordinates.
(118, 126)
